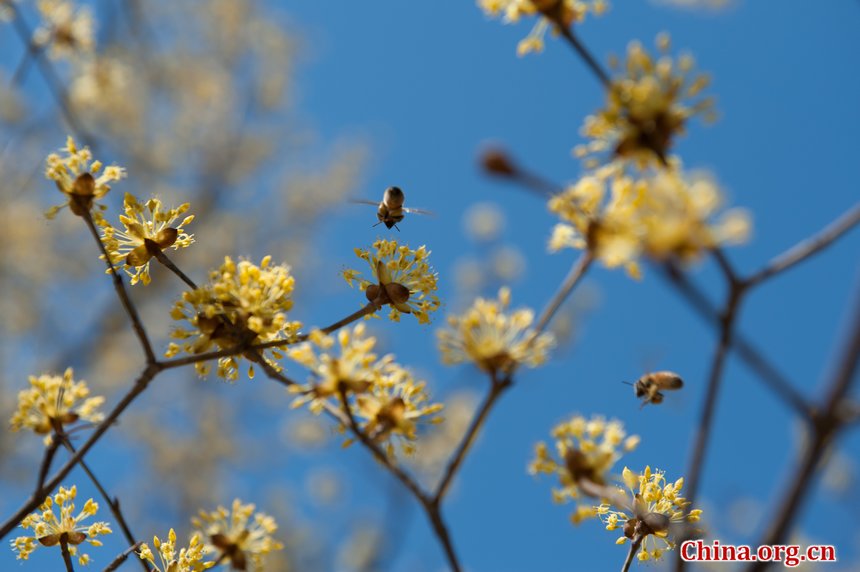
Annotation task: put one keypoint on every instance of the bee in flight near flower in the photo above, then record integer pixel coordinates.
(649, 386)
(390, 209)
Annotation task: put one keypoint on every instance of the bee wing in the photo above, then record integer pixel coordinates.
(419, 211)
(364, 202)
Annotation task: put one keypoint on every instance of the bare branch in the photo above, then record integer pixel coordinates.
(807, 248)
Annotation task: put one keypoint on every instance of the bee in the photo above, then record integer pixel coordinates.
(390, 209)
(649, 386)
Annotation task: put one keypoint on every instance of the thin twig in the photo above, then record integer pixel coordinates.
(583, 52)
(47, 459)
(140, 384)
(766, 371)
(828, 423)
(497, 387)
(121, 292)
(118, 561)
(55, 85)
(113, 503)
(576, 273)
(64, 548)
(163, 259)
(808, 247)
(634, 548)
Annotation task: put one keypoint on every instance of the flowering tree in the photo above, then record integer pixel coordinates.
(632, 204)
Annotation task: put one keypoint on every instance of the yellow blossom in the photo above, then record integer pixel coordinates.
(662, 214)
(391, 410)
(355, 370)
(66, 30)
(147, 228)
(655, 506)
(50, 529)
(239, 535)
(403, 279)
(54, 401)
(493, 339)
(77, 176)
(587, 449)
(188, 560)
(548, 13)
(647, 106)
(243, 304)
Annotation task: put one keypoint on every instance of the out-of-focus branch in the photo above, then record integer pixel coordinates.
(119, 560)
(764, 369)
(826, 426)
(58, 91)
(807, 248)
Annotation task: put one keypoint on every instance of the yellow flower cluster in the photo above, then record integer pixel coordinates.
(238, 535)
(587, 449)
(383, 396)
(656, 505)
(54, 401)
(403, 279)
(550, 12)
(647, 106)
(147, 229)
(67, 31)
(664, 214)
(391, 410)
(356, 369)
(493, 339)
(188, 560)
(243, 304)
(48, 529)
(77, 176)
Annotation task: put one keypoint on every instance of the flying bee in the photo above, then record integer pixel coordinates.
(649, 386)
(390, 209)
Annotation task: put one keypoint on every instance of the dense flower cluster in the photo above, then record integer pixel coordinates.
(647, 106)
(147, 228)
(662, 215)
(242, 304)
(385, 399)
(55, 402)
(549, 12)
(77, 176)
(238, 535)
(493, 339)
(50, 529)
(656, 505)
(189, 559)
(587, 449)
(403, 279)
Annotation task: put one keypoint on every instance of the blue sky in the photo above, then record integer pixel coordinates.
(425, 84)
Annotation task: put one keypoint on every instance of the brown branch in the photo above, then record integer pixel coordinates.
(64, 548)
(576, 273)
(113, 503)
(808, 247)
(497, 387)
(121, 292)
(163, 259)
(826, 426)
(754, 359)
(47, 459)
(38, 497)
(634, 548)
(587, 57)
(119, 560)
